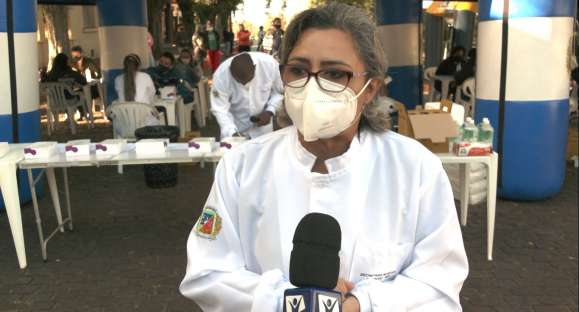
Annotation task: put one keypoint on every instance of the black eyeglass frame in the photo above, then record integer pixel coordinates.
(350, 75)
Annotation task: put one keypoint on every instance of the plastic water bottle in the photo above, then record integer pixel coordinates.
(469, 131)
(485, 131)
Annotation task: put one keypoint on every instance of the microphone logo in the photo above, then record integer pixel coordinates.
(295, 304)
(328, 304)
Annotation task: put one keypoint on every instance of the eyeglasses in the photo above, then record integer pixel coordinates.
(330, 80)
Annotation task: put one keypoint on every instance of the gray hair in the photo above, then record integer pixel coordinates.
(362, 29)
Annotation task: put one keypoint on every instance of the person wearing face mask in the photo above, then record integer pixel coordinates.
(188, 68)
(167, 74)
(246, 93)
(402, 248)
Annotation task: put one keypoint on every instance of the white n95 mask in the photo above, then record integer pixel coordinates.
(319, 114)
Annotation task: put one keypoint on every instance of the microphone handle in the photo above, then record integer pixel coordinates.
(309, 299)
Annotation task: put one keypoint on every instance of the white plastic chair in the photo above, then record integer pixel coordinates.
(129, 116)
(58, 103)
(429, 74)
(91, 101)
(196, 106)
(205, 102)
(468, 88)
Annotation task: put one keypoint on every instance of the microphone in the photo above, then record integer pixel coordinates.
(315, 266)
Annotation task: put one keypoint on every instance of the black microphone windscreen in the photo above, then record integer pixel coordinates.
(315, 260)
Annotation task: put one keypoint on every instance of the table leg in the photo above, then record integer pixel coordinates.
(67, 197)
(464, 192)
(492, 167)
(181, 117)
(50, 176)
(9, 188)
(37, 213)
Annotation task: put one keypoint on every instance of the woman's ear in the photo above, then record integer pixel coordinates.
(373, 87)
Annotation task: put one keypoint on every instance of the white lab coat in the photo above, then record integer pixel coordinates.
(401, 240)
(233, 105)
(144, 88)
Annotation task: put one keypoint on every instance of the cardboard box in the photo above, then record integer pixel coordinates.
(41, 150)
(151, 146)
(201, 145)
(77, 148)
(110, 147)
(230, 143)
(432, 128)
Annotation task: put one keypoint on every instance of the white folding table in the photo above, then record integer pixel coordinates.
(176, 153)
(491, 163)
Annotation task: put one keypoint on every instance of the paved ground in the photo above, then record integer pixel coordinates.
(127, 252)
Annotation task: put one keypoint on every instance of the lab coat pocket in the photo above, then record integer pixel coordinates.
(378, 260)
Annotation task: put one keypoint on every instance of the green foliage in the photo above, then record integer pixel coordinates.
(209, 9)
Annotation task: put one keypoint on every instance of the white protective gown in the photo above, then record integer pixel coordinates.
(401, 240)
(233, 104)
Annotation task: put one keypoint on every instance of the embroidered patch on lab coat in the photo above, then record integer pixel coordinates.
(209, 224)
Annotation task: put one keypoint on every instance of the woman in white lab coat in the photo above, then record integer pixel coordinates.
(133, 85)
(402, 248)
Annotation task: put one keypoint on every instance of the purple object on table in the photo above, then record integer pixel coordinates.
(225, 144)
(194, 145)
(101, 147)
(29, 151)
(70, 148)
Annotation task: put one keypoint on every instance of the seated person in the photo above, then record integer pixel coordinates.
(166, 74)
(87, 67)
(468, 71)
(188, 68)
(62, 72)
(84, 65)
(133, 85)
(136, 86)
(449, 67)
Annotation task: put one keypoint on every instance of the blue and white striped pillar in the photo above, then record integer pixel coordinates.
(26, 59)
(399, 31)
(122, 30)
(537, 91)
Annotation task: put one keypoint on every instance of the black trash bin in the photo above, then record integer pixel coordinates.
(159, 176)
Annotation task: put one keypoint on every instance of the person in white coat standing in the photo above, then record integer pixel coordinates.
(247, 91)
(402, 248)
